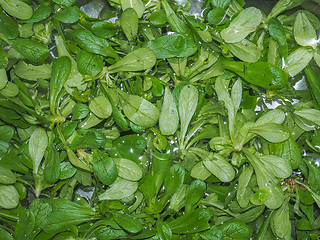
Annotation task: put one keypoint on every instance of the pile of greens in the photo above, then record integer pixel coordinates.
(147, 122)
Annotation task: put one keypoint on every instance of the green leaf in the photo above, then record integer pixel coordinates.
(40, 12)
(274, 116)
(236, 95)
(9, 196)
(109, 233)
(245, 50)
(304, 33)
(262, 74)
(37, 146)
(298, 60)
(10, 90)
(173, 181)
(244, 191)
(61, 70)
(8, 26)
(137, 5)
(169, 46)
(121, 188)
(89, 63)
(242, 25)
(52, 166)
(3, 78)
(80, 111)
(6, 133)
(259, 197)
(104, 29)
(7, 176)
(66, 213)
(128, 169)
(138, 110)
(104, 167)
(194, 194)
(128, 223)
(282, 6)
(4, 235)
(271, 132)
(312, 115)
(316, 198)
(188, 101)
(31, 49)
(138, 60)
(32, 72)
(216, 16)
(280, 222)
(313, 176)
(163, 230)
(279, 167)
(219, 167)
(199, 171)
(316, 57)
(252, 214)
(195, 221)
(93, 44)
(236, 229)
(67, 3)
(25, 225)
(17, 8)
(266, 180)
(169, 118)
(213, 233)
(67, 170)
(277, 32)
(177, 199)
(67, 15)
(101, 107)
(129, 23)
(90, 138)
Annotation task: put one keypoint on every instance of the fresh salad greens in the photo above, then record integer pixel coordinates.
(148, 122)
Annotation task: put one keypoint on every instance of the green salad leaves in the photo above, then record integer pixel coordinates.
(159, 120)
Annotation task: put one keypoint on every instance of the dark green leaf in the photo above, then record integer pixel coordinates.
(4, 235)
(195, 221)
(52, 166)
(104, 167)
(175, 45)
(213, 233)
(163, 230)
(93, 44)
(133, 61)
(104, 29)
(7, 176)
(129, 23)
(128, 223)
(67, 15)
(194, 194)
(40, 12)
(67, 170)
(89, 63)
(80, 111)
(9, 196)
(25, 224)
(8, 27)
(236, 229)
(88, 139)
(31, 49)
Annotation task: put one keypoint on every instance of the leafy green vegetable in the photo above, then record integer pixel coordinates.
(133, 119)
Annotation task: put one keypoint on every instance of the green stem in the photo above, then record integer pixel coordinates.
(8, 216)
(314, 83)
